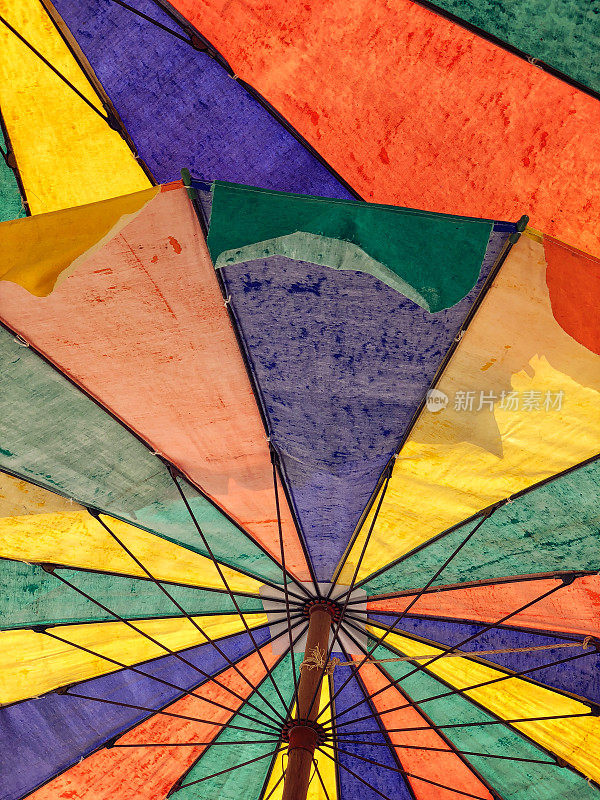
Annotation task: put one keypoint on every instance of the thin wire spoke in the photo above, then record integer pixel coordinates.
(231, 594)
(157, 583)
(177, 787)
(338, 763)
(455, 647)
(400, 617)
(59, 74)
(153, 21)
(404, 773)
(321, 779)
(197, 744)
(168, 649)
(281, 777)
(448, 750)
(285, 584)
(462, 691)
(347, 595)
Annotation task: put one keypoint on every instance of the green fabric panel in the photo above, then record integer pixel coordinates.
(549, 529)
(246, 782)
(10, 197)
(31, 596)
(563, 34)
(438, 256)
(54, 435)
(514, 780)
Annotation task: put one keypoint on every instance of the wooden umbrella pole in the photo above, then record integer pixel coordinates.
(303, 737)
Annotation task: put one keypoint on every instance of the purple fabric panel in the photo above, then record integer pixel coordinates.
(342, 362)
(580, 676)
(182, 109)
(42, 737)
(391, 784)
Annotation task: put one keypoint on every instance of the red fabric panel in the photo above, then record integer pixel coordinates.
(573, 280)
(572, 609)
(149, 772)
(412, 109)
(142, 326)
(445, 768)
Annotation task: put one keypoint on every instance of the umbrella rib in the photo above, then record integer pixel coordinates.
(272, 740)
(168, 650)
(179, 786)
(59, 74)
(338, 763)
(154, 677)
(162, 588)
(465, 641)
(406, 774)
(231, 594)
(285, 584)
(462, 691)
(153, 21)
(347, 596)
(378, 642)
(448, 750)
(321, 779)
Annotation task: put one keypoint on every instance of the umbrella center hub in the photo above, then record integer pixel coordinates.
(304, 733)
(330, 606)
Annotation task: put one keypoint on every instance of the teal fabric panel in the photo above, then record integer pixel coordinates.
(11, 206)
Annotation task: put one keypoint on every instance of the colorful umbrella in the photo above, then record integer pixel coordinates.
(307, 477)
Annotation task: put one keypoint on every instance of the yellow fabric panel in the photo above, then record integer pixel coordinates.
(75, 539)
(456, 463)
(67, 155)
(576, 740)
(18, 497)
(34, 663)
(36, 251)
(326, 765)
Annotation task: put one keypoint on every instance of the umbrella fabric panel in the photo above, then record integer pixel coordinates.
(216, 759)
(75, 538)
(580, 676)
(409, 243)
(562, 35)
(572, 610)
(140, 324)
(34, 597)
(36, 662)
(443, 769)
(515, 539)
(513, 779)
(386, 780)
(442, 109)
(523, 405)
(152, 771)
(74, 157)
(209, 124)
(36, 252)
(37, 754)
(11, 205)
(341, 359)
(572, 739)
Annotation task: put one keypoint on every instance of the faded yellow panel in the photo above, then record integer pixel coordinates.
(34, 663)
(456, 463)
(72, 537)
(37, 250)
(576, 740)
(67, 155)
(325, 766)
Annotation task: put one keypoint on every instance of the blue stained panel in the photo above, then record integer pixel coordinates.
(391, 784)
(41, 737)
(342, 362)
(182, 109)
(580, 676)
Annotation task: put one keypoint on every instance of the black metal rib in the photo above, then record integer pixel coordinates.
(321, 779)
(231, 594)
(168, 650)
(338, 763)
(11, 162)
(450, 750)
(195, 744)
(354, 670)
(177, 786)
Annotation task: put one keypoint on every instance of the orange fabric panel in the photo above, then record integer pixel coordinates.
(142, 326)
(445, 768)
(575, 304)
(413, 110)
(574, 609)
(149, 772)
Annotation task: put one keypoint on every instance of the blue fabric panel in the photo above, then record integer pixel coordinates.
(580, 677)
(44, 736)
(391, 784)
(342, 362)
(182, 109)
